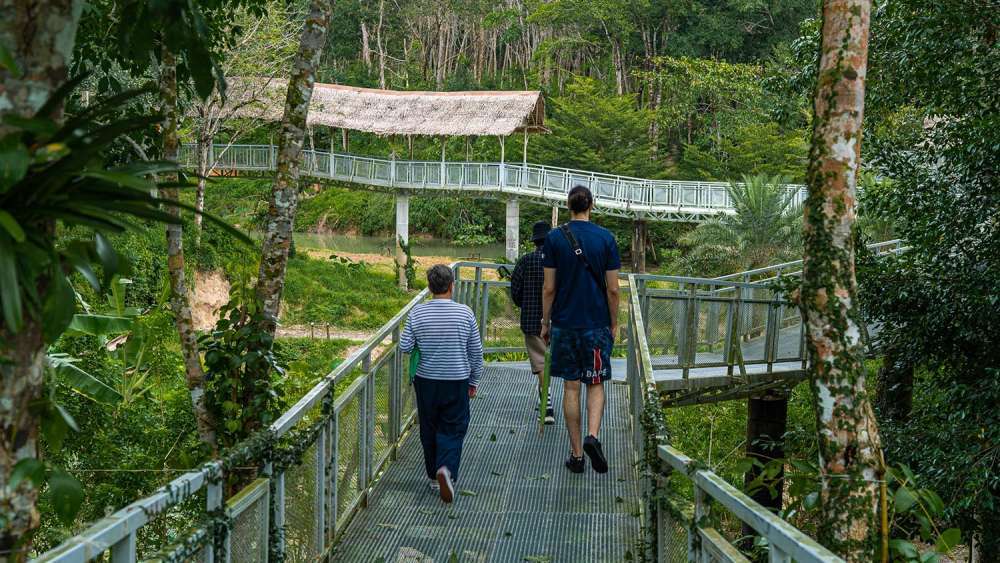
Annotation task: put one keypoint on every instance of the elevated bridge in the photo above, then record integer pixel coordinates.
(338, 476)
(622, 196)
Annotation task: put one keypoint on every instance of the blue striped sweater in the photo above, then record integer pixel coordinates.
(448, 337)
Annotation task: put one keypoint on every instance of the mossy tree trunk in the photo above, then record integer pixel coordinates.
(180, 303)
(849, 446)
(39, 37)
(284, 192)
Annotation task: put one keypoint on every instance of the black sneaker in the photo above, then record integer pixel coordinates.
(575, 464)
(550, 416)
(592, 447)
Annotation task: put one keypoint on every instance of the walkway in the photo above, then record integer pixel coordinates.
(624, 196)
(521, 502)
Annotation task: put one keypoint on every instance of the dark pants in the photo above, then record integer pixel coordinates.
(443, 410)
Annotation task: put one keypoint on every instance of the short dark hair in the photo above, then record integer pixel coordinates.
(439, 279)
(580, 199)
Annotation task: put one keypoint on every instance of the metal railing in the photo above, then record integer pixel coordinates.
(614, 194)
(740, 332)
(317, 465)
(769, 273)
(675, 529)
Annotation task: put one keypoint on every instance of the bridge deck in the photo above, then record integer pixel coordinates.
(521, 502)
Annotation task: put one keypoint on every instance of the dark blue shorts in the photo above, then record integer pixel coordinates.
(581, 354)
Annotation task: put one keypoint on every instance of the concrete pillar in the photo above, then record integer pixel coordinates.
(513, 229)
(767, 417)
(402, 234)
(640, 234)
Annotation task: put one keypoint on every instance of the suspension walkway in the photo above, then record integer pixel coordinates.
(623, 196)
(338, 476)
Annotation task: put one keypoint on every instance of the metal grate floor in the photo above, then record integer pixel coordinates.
(519, 503)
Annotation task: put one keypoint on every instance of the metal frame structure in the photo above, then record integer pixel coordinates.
(683, 532)
(623, 196)
(348, 426)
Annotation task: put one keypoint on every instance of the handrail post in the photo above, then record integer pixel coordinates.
(395, 392)
(333, 473)
(363, 436)
(125, 550)
(213, 503)
(484, 313)
(320, 488)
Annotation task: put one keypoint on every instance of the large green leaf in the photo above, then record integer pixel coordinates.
(7, 61)
(28, 468)
(10, 224)
(66, 495)
(99, 325)
(14, 162)
(948, 540)
(10, 289)
(81, 381)
(108, 257)
(59, 306)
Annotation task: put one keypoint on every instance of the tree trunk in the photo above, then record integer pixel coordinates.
(381, 45)
(179, 303)
(204, 166)
(39, 38)
(849, 444)
(284, 193)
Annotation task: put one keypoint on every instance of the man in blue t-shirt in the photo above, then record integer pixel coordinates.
(580, 301)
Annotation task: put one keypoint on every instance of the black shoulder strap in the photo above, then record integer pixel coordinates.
(573, 244)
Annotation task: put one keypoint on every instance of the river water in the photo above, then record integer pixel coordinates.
(384, 245)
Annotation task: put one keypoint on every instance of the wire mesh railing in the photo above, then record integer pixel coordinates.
(623, 195)
(317, 465)
(677, 529)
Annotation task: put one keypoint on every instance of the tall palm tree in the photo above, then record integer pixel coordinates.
(766, 229)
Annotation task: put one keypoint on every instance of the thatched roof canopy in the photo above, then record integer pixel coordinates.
(395, 112)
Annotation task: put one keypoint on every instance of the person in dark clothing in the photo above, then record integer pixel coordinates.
(526, 291)
(579, 320)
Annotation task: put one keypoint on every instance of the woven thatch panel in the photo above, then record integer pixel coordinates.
(393, 112)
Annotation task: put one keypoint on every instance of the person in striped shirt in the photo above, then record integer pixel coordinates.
(451, 363)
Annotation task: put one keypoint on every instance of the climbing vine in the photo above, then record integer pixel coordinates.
(409, 269)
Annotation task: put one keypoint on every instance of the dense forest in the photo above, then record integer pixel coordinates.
(110, 387)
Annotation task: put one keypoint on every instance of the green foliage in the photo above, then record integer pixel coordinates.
(932, 109)
(593, 129)
(331, 291)
(241, 372)
(54, 173)
(751, 149)
(766, 229)
(339, 210)
(409, 267)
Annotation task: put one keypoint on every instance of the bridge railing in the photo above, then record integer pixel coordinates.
(309, 472)
(734, 330)
(677, 529)
(612, 192)
(794, 268)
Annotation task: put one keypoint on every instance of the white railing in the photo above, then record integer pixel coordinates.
(619, 195)
(678, 530)
(317, 464)
(794, 268)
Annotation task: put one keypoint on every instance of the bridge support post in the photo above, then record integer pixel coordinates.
(513, 229)
(640, 234)
(767, 417)
(402, 236)
(555, 216)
